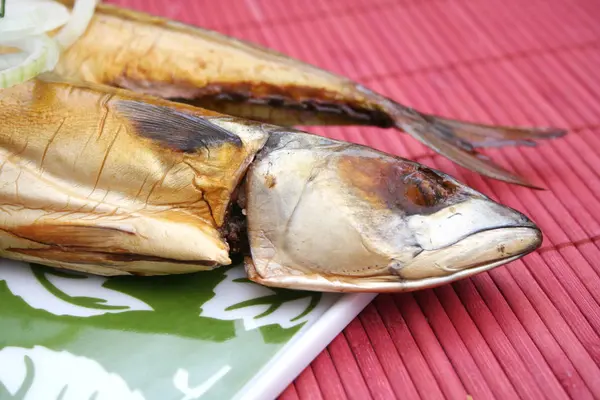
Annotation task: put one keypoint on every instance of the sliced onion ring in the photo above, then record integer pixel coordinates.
(42, 55)
(81, 15)
(26, 18)
(26, 27)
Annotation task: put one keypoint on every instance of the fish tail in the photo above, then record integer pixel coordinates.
(459, 140)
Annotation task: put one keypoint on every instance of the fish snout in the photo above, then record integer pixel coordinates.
(467, 238)
(457, 221)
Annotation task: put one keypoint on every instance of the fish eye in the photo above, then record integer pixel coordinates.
(426, 188)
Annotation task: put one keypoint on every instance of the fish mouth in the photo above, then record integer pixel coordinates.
(478, 252)
(457, 222)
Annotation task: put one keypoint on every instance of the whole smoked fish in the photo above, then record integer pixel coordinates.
(111, 182)
(153, 55)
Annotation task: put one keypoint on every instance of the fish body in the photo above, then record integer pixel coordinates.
(83, 187)
(112, 182)
(156, 56)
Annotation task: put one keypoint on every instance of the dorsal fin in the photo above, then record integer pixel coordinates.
(176, 129)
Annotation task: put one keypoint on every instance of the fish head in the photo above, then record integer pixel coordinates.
(332, 216)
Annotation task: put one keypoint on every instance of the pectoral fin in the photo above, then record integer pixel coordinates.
(177, 129)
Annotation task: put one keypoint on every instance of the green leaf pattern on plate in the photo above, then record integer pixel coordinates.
(67, 293)
(238, 298)
(73, 336)
(38, 373)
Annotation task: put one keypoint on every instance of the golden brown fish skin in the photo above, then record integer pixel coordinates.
(96, 179)
(172, 60)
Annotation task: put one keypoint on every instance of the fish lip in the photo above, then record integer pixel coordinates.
(529, 225)
(469, 270)
(535, 244)
(428, 283)
(473, 211)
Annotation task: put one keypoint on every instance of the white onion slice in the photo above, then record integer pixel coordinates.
(25, 25)
(40, 55)
(12, 59)
(25, 18)
(82, 13)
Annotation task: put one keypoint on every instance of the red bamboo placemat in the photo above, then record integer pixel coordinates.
(527, 330)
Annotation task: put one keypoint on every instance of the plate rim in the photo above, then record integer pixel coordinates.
(276, 375)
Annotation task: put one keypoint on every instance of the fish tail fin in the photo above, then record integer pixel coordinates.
(459, 140)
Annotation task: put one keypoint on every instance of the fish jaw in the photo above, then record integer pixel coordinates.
(332, 216)
(318, 282)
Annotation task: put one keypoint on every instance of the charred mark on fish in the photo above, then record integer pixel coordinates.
(176, 129)
(405, 186)
(427, 189)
